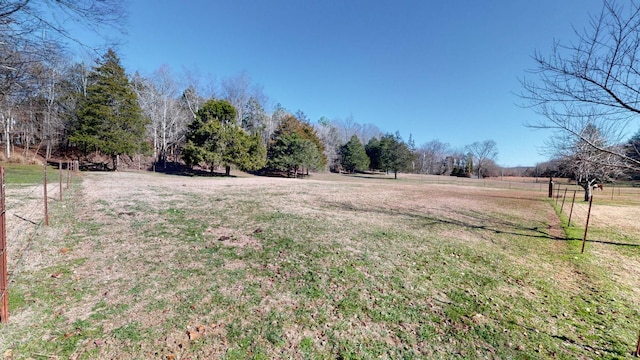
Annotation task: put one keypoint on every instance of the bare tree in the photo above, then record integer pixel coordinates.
(431, 157)
(367, 132)
(583, 161)
(198, 89)
(348, 127)
(32, 35)
(238, 90)
(29, 21)
(330, 137)
(595, 77)
(484, 152)
(159, 99)
(13, 73)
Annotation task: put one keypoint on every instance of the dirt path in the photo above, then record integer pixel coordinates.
(555, 226)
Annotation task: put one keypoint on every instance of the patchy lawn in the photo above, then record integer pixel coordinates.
(139, 265)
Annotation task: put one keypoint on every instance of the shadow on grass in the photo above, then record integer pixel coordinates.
(183, 170)
(566, 339)
(474, 220)
(606, 242)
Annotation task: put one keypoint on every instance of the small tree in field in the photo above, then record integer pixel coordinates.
(214, 138)
(295, 145)
(291, 152)
(353, 155)
(485, 153)
(396, 155)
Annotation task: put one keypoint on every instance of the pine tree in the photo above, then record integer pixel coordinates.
(353, 155)
(291, 125)
(396, 155)
(109, 118)
(295, 145)
(374, 152)
(214, 138)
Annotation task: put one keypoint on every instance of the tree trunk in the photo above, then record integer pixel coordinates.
(395, 174)
(7, 138)
(587, 190)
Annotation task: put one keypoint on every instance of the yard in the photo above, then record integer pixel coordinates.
(141, 265)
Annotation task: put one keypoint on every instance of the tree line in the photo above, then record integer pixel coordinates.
(84, 111)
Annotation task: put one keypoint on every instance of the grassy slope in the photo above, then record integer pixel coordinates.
(359, 269)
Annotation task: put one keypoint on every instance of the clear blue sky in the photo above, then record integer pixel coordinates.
(440, 70)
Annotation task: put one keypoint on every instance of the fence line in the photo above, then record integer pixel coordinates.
(4, 283)
(18, 232)
(580, 213)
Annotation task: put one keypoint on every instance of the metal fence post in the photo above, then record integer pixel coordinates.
(44, 180)
(4, 284)
(60, 177)
(586, 226)
(572, 203)
(563, 198)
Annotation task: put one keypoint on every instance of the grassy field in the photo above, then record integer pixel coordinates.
(138, 265)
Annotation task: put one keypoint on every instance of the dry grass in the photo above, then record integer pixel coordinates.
(140, 265)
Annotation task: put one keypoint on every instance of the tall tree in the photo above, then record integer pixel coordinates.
(354, 156)
(158, 97)
(484, 153)
(109, 118)
(593, 78)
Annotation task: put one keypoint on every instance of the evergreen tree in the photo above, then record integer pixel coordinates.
(396, 155)
(109, 118)
(353, 155)
(291, 125)
(295, 145)
(214, 138)
(290, 152)
(374, 152)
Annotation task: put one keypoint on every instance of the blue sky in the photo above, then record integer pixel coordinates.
(440, 70)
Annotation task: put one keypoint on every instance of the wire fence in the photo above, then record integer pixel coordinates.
(28, 217)
(599, 212)
(4, 283)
